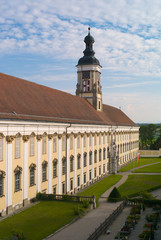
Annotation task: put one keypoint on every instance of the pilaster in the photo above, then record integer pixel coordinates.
(75, 161)
(50, 164)
(38, 163)
(59, 163)
(9, 174)
(25, 171)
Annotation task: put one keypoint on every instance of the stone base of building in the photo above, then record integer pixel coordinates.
(9, 209)
(26, 202)
(3, 213)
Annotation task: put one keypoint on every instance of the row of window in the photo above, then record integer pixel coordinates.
(44, 176)
(44, 144)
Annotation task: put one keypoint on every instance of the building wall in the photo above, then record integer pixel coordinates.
(92, 138)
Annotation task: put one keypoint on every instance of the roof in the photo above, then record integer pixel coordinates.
(24, 100)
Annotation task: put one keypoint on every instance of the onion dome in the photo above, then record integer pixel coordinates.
(89, 53)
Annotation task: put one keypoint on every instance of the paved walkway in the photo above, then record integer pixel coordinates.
(83, 227)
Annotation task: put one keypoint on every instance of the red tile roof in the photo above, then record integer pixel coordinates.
(24, 100)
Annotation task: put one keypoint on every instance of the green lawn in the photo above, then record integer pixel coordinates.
(139, 183)
(100, 187)
(156, 168)
(39, 221)
(142, 161)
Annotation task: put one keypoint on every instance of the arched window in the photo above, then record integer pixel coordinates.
(18, 171)
(32, 174)
(71, 163)
(44, 145)
(85, 159)
(95, 156)
(44, 171)
(104, 153)
(2, 175)
(17, 146)
(90, 158)
(63, 165)
(100, 151)
(78, 161)
(55, 168)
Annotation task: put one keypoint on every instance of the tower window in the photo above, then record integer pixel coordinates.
(99, 105)
(86, 75)
(86, 86)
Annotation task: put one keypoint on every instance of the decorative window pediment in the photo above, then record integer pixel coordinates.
(32, 165)
(18, 169)
(71, 157)
(2, 174)
(1, 135)
(55, 160)
(45, 163)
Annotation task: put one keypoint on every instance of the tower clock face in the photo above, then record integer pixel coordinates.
(86, 75)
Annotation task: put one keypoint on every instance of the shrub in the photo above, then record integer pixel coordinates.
(114, 196)
(85, 204)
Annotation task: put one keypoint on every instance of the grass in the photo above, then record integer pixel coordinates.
(39, 221)
(156, 168)
(139, 183)
(142, 161)
(99, 188)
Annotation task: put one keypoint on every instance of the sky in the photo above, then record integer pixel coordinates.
(42, 41)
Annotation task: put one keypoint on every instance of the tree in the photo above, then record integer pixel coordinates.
(151, 133)
(143, 136)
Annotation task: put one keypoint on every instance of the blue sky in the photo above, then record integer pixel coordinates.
(41, 41)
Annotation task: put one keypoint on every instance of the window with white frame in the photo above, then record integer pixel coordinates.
(71, 184)
(44, 145)
(103, 138)
(63, 188)
(63, 143)
(1, 149)
(95, 139)
(99, 139)
(54, 189)
(78, 161)
(90, 140)
(44, 171)
(17, 147)
(71, 142)
(84, 177)
(84, 142)
(90, 175)
(78, 180)
(54, 144)
(100, 151)
(85, 159)
(78, 142)
(104, 153)
(2, 175)
(32, 145)
(95, 156)
(1, 186)
(32, 175)
(95, 172)
(90, 158)
(17, 172)
(99, 170)
(103, 168)
(71, 163)
(55, 168)
(63, 166)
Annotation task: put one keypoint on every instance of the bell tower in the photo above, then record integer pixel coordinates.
(88, 75)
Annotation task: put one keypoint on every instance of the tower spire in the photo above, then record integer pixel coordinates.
(89, 71)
